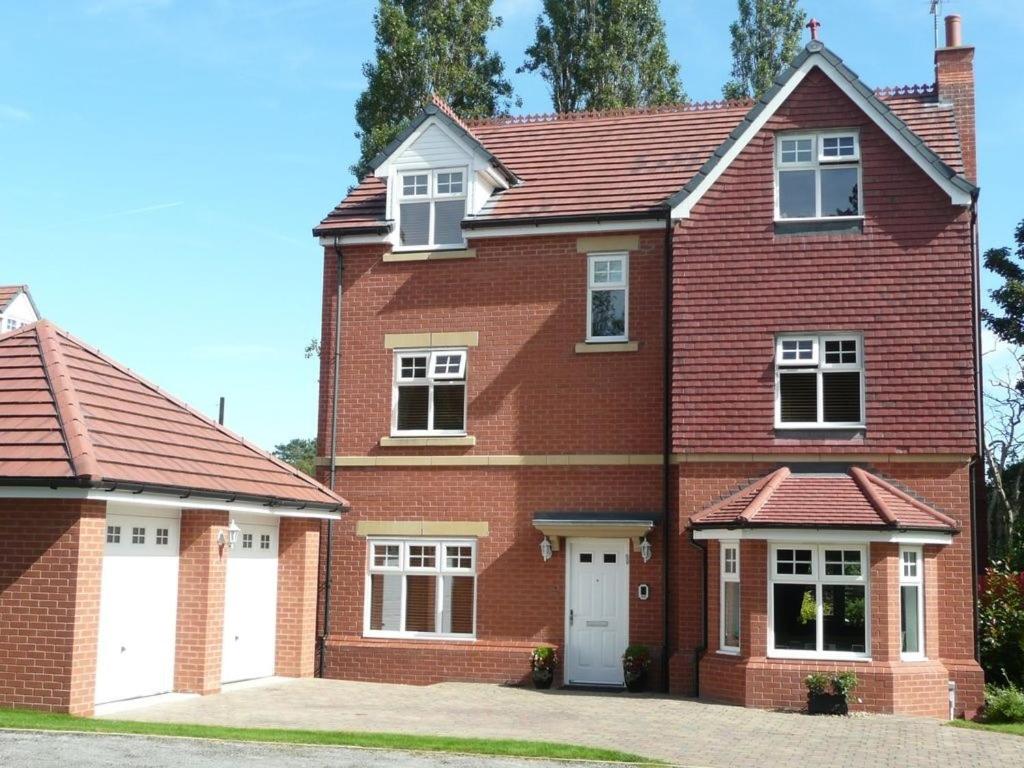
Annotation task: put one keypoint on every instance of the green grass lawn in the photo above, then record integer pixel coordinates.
(1017, 729)
(44, 721)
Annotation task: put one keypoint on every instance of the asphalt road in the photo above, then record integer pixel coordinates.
(23, 749)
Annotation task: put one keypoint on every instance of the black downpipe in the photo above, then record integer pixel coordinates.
(334, 461)
(976, 466)
(666, 438)
(698, 652)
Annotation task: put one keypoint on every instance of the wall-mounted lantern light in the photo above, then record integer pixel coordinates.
(546, 550)
(646, 550)
(232, 536)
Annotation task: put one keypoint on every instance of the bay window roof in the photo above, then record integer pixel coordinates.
(850, 498)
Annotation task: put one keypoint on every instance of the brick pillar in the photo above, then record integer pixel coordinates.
(885, 602)
(92, 530)
(753, 599)
(200, 635)
(931, 603)
(298, 563)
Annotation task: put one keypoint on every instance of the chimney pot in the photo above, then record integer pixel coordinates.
(954, 34)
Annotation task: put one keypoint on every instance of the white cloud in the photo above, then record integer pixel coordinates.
(14, 114)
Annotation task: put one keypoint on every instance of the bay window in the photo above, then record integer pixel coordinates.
(431, 206)
(429, 392)
(421, 589)
(730, 601)
(818, 601)
(911, 603)
(819, 380)
(818, 176)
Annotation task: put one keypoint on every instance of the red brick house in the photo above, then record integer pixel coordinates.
(701, 377)
(143, 548)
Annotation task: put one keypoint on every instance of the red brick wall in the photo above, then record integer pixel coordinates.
(954, 76)
(51, 555)
(528, 390)
(905, 283)
(520, 598)
(298, 556)
(201, 571)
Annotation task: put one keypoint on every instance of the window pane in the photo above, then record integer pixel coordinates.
(457, 616)
(422, 556)
(448, 222)
(385, 555)
(909, 564)
(798, 393)
(910, 625)
(420, 603)
(843, 612)
(796, 150)
(839, 192)
(412, 407)
(795, 617)
(413, 367)
(450, 406)
(449, 364)
(459, 556)
(793, 562)
(730, 560)
(414, 184)
(731, 613)
(607, 271)
(841, 394)
(842, 562)
(796, 194)
(607, 313)
(386, 601)
(415, 223)
(837, 146)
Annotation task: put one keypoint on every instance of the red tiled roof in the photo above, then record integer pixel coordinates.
(620, 162)
(9, 293)
(69, 413)
(853, 499)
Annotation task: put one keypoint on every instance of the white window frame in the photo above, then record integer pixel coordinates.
(432, 196)
(818, 366)
(916, 580)
(818, 579)
(816, 164)
(440, 568)
(431, 381)
(623, 285)
(727, 577)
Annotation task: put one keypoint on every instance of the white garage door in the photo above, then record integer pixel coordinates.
(250, 604)
(138, 608)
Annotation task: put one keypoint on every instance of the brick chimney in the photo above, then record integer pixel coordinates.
(954, 83)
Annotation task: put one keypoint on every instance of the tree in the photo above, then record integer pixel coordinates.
(765, 39)
(424, 47)
(1004, 463)
(1009, 297)
(603, 54)
(300, 453)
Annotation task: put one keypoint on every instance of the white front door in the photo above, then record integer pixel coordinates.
(138, 608)
(597, 610)
(250, 604)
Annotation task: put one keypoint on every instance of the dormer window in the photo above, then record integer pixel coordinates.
(431, 207)
(818, 176)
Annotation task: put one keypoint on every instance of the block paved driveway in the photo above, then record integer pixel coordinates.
(684, 732)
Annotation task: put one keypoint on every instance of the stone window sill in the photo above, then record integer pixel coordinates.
(432, 255)
(428, 442)
(586, 348)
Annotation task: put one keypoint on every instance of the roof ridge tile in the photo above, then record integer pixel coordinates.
(544, 117)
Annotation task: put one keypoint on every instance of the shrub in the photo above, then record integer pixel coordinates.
(1001, 620)
(841, 684)
(1004, 704)
(544, 657)
(636, 659)
(818, 683)
(845, 683)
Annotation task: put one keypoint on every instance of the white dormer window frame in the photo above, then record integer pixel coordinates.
(432, 187)
(818, 153)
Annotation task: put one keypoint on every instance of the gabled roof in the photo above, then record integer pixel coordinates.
(70, 416)
(853, 498)
(816, 55)
(638, 163)
(9, 293)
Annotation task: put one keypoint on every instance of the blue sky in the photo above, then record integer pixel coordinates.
(163, 161)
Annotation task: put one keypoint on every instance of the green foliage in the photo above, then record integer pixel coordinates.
(845, 683)
(544, 657)
(604, 54)
(1008, 324)
(426, 46)
(637, 658)
(300, 453)
(1001, 625)
(765, 39)
(1004, 704)
(841, 684)
(818, 683)
(808, 608)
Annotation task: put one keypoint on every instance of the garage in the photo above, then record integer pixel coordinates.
(138, 601)
(250, 603)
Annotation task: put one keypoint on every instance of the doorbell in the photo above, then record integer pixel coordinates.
(643, 591)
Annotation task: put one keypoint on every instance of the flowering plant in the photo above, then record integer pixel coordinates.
(544, 657)
(636, 659)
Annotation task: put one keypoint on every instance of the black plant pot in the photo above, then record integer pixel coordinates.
(827, 704)
(542, 678)
(636, 682)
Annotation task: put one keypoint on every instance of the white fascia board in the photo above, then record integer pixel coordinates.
(957, 196)
(329, 241)
(823, 536)
(157, 501)
(566, 228)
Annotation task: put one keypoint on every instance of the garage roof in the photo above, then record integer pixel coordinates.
(70, 416)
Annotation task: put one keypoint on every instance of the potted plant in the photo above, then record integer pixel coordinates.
(635, 662)
(543, 661)
(828, 695)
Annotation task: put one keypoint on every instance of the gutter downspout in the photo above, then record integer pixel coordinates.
(975, 467)
(334, 458)
(698, 652)
(666, 450)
